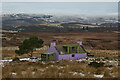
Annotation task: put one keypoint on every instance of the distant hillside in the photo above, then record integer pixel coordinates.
(26, 22)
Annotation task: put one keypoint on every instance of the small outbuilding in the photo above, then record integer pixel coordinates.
(49, 56)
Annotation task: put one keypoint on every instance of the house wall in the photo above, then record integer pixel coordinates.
(69, 56)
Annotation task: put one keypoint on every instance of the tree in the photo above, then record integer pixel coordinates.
(29, 45)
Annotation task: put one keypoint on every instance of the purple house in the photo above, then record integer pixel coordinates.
(65, 52)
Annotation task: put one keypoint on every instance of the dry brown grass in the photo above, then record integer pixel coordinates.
(105, 53)
(61, 69)
(91, 40)
(98, 53)
(11, 54)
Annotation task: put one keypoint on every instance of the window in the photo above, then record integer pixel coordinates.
(44, 55)
(48, 56)
(70, 50)
(74, 49)
(73, 55)
(51, 54)
(65, 49)
(61, 52)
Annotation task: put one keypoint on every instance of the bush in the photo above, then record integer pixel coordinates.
(96, 64)
(16, 59)
(107, 58)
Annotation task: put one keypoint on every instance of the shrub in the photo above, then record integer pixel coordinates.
(16, 59)
(107, 58)
(96, 64)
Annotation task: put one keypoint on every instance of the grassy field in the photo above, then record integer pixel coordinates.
(57, 69)
(91, 40)
(101, 44)
(113, 54)
(62, 69)
(8, 53)
(97, 53)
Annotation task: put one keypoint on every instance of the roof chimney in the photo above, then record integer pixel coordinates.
(53, 44)
(79, 42)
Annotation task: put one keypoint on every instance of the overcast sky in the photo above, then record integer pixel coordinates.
(59, 0)
(61, 7)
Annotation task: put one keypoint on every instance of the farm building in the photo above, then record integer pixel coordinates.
(65, 52)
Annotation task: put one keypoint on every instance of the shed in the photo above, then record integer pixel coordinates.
(49, 56)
